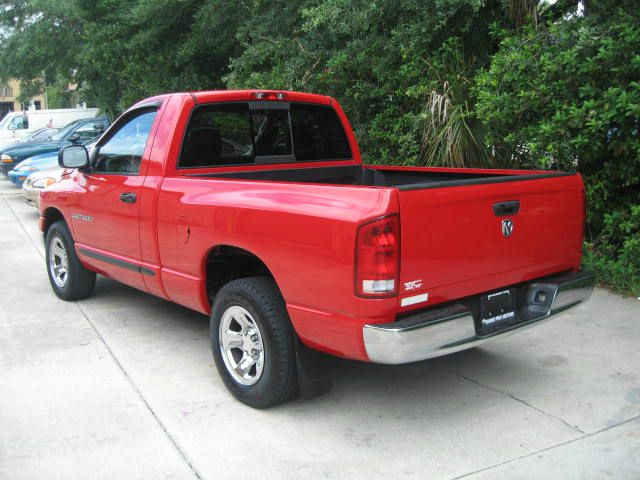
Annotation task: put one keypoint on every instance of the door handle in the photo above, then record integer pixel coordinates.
(128, 197)
(506, 208)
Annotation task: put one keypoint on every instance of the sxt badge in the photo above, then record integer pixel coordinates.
(412, 285)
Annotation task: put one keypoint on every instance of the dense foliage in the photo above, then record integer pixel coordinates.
(519, 83)
(119, 51)
(567, 96)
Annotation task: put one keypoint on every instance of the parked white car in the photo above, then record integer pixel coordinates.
(38, 181)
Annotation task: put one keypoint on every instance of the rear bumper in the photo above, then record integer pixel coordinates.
(452, 328)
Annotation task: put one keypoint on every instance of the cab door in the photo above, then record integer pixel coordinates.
(105, 213)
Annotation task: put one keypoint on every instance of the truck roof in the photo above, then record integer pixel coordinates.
(207, 96)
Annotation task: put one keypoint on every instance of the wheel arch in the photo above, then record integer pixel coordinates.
(224, 263)
(50, 216)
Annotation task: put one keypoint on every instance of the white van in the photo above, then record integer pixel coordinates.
(16, 125)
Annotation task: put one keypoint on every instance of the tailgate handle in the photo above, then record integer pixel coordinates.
(506, 208)
(128, 197)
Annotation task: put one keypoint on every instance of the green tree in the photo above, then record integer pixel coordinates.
(382, 60)
(119, 51)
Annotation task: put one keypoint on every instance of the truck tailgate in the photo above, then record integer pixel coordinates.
(453, 243)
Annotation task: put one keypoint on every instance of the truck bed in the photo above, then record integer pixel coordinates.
(453, 244)
(372, 176)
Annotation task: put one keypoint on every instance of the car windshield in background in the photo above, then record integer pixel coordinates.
(243, 133)
(40, 135)
(4, 121)
(91, 142)
(58, 137)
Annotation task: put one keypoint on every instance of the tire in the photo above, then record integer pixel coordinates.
(70, 280)
(251, 331)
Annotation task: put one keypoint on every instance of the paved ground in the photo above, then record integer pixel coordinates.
(123, 386)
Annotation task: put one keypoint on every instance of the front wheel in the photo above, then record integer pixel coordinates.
(252, 341)
(69, 278)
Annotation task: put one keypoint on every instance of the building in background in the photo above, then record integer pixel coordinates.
(72, 94)
(9, 94)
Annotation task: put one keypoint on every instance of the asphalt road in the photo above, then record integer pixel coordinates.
(123, 386)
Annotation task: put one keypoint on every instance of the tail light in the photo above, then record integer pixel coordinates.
(377, 262)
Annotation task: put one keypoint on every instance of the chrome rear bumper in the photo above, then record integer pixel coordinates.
(450, 329)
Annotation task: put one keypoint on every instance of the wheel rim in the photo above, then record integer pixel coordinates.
(58, 262)
(241, 345)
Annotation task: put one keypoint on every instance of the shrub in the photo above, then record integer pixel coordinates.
(567, 96)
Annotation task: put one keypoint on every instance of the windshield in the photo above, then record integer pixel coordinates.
(58, 137)
(29, 136)
(41, 135)
(4, 121)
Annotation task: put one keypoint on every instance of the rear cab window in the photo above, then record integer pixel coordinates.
(262, 132)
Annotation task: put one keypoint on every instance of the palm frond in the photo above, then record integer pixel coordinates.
(452, 135)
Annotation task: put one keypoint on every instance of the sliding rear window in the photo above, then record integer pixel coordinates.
(262, 133)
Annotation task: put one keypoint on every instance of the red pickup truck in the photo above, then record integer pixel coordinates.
(253, 207)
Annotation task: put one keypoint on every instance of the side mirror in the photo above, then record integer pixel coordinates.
(73, 156)
(74, 138)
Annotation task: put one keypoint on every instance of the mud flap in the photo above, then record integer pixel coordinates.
(314, 377)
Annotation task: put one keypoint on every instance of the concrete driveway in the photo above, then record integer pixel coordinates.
(122, 386)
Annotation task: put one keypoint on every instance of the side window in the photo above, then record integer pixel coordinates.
(122, 152)
(19, 123)
(90, 130)
(218, 135)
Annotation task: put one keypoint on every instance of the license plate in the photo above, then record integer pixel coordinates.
(497, 310)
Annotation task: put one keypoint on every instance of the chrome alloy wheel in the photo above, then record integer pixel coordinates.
(241, 345)
(58, 262)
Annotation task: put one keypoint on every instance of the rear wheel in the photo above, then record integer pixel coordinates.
(253, 342)
(69, 279)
